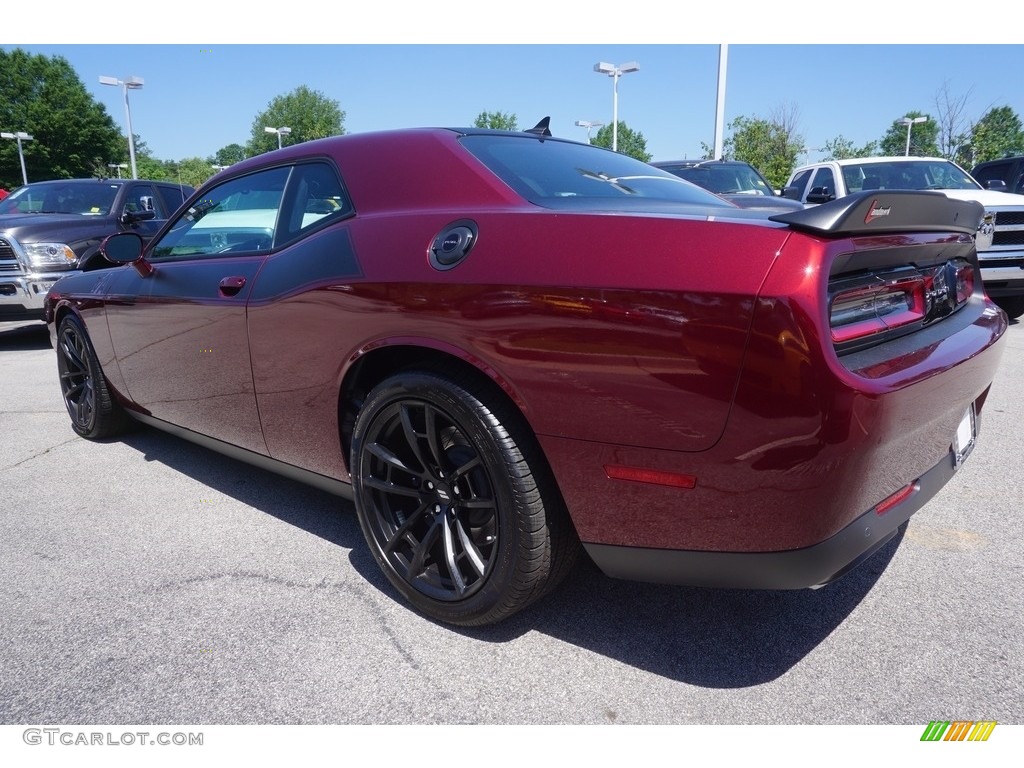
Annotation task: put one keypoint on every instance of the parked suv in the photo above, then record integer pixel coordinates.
(1000, 239)
(1003, 175)
(738, 182)
(50, 229)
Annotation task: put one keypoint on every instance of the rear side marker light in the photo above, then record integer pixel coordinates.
(651, 476)
(897, 498)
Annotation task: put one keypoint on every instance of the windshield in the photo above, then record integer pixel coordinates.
(552, 173)
(724, 178)
(93, 198)
(908, 174)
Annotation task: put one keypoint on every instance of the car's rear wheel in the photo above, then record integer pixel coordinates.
(93, 410)
(455, 500)
(1013, 306)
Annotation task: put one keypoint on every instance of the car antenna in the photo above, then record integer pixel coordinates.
(541, 128)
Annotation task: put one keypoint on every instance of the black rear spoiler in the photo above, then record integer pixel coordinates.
(886, 212)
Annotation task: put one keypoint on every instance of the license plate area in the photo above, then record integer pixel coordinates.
(966, 436)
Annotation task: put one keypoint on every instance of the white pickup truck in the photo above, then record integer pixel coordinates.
(1000, 240)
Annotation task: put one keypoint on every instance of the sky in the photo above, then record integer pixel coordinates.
(203, 95)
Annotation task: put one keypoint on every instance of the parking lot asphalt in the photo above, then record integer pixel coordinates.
(146, 580)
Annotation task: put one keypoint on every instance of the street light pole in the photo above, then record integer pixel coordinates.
(19, 136)
(615, 73)
(588, 124)
(134, 82)
(279, 131)
(909, 121)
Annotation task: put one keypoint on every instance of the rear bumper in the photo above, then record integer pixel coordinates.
(812, 566)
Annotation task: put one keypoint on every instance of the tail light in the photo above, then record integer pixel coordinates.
(869, 308)
(877, 307)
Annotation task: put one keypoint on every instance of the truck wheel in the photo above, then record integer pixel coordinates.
(1013, 306)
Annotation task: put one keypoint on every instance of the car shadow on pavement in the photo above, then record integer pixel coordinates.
(715, 638)
(18, 337)
(705, 637)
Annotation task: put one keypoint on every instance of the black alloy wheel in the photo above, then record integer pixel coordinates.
(463, 521)
(94, 413)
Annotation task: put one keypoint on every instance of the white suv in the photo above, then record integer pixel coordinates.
(1000, 240)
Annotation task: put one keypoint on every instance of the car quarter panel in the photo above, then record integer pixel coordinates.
(641, 360)
(814, 440)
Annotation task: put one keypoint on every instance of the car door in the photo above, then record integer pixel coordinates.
(180, 333)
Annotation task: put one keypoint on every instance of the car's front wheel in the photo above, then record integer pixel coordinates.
(455, 500)
(93, 410)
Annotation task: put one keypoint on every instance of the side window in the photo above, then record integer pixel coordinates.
(800, 182)
(141, 198)
(823, 177)
(238, 216)
(314, 194)
(173, 197)
(994, 171)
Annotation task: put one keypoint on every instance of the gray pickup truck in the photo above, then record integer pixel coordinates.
(50, 229)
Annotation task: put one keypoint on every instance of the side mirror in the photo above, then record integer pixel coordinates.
(126, 248)
(130, 217)
(793, 193)
(820, 195)
(997, 185)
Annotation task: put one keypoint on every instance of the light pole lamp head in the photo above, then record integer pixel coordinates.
(134, 82)
(284, 131)
(629, 66)
(604, 68)
(106, 80)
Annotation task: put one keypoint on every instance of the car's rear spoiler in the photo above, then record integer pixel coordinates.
(886, 212)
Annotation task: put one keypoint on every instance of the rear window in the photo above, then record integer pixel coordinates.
(549, 172)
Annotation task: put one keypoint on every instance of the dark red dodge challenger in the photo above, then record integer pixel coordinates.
(501, 345)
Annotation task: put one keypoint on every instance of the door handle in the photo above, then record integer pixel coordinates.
(229, 286)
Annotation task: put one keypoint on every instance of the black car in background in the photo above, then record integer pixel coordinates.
(738, 182)
(1005, 174)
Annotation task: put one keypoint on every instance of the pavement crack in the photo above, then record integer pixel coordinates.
(41, 453)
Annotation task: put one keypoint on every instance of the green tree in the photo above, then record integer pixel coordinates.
(924, 138)
(772, 146)
(193, 171)
(501, 121)
(630, 142)
(841, 148)
(229, 155)
(996, 134)
(44, 97)
(309, 114)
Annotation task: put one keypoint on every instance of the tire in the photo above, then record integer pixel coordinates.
(456, 502)
(94, 412)
(1013, 306)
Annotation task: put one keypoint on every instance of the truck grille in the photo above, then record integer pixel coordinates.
(1008, 238)
(1009, 218)
(8, 263)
